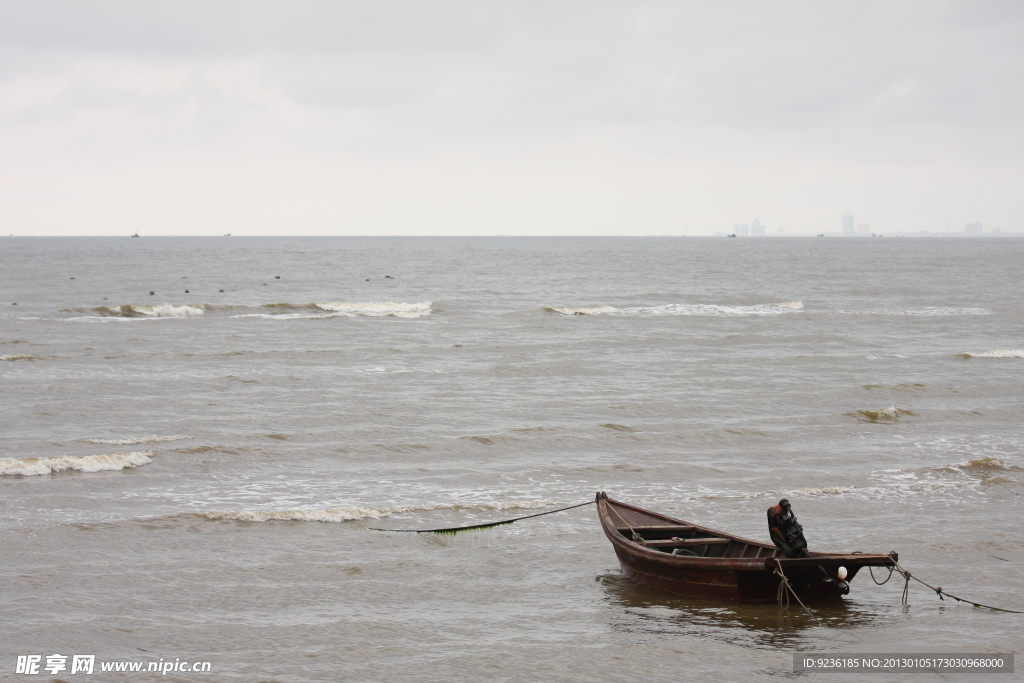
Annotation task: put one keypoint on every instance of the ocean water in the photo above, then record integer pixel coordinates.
(199, 474)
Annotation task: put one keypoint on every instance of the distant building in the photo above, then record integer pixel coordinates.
(756, 228)
(741, 230)
(973, 229)
(863, 230)
(848, 228)
(781, 231)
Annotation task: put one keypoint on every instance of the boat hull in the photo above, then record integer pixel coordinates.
(741, 570)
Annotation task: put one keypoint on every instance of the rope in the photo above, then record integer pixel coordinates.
(881, 583)
(785, 586)
(907, 576)
(486, 524)
(636, 537)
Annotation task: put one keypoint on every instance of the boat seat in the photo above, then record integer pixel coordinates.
(686, 542)
(672, 528)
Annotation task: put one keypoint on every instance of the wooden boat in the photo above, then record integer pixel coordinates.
(722, 566)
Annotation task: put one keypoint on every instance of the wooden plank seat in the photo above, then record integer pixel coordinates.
(672, 529)
(685, 542)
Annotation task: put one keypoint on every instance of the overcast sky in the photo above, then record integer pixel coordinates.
(535, 117)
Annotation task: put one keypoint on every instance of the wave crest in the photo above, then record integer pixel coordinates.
(379, 310)
(983, 466)
(592, 310)
(153, 438)
(683, 309)
(927, 311)
(818, 491)
(158, 311)
(999, 353)
(352, 514)
(386, 309)
(87, 463)
(890, 414)
(19, 356)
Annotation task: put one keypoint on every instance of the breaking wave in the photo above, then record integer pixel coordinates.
(983, 467)
(386, 309)
(819, 491)
(927, 311)
(88, 463)
(1004, 353)
(890, 414)
(278, 311)
(153, 438)
(356, 513)
(19, 356)
(683, 309)
(593, 310)
(379, 309)
(159, 311)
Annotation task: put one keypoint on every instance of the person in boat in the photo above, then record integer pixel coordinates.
(786, 532)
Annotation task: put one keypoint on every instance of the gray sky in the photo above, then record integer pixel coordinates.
(536, 117)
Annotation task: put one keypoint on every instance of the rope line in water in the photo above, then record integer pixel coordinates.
(486, 525)
(784, 586)
(907, 576)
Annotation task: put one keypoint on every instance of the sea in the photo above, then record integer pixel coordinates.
(207, 444)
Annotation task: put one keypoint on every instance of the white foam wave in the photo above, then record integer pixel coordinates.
(356, 513)
(170, 311)
(157, 311)
(88, 463)
(291, 316)
(684, 309)
(928, 311)
(103, 319)
(715, 310)
(592, 310)
(819, 491)
(999, 353)
(379, 310)
(890, 414)
(18, 356)
(153, 438)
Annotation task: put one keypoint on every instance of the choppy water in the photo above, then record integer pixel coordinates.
(196, 474)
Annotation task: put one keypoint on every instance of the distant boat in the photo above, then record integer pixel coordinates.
(135, 235)
(227, 234)
(719, 565)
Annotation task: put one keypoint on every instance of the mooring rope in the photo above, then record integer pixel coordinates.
(881, 583)
(636, 537)
(907, 576)
(784, 586)
(456, 529)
